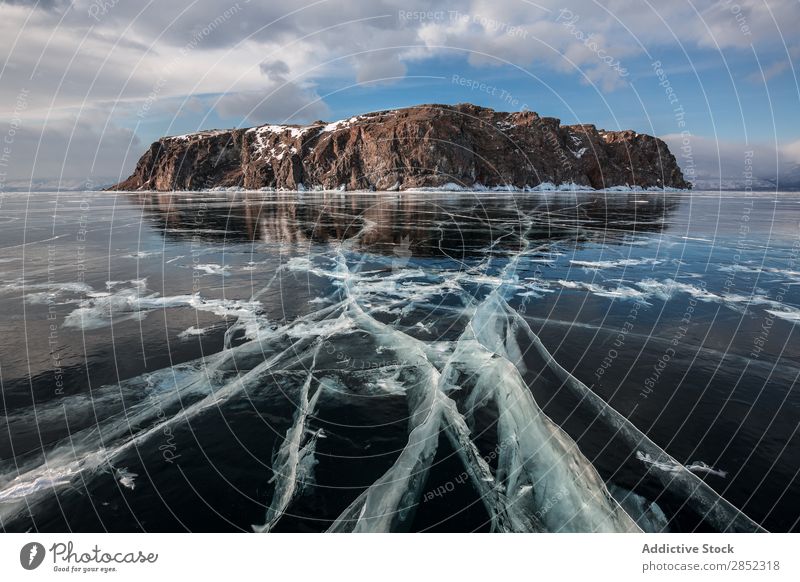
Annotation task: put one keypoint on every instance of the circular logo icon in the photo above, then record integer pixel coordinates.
(31, 555)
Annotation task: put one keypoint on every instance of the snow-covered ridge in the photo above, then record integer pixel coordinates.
(295, 131)
(197, 134)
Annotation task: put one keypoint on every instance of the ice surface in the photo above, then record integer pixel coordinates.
(612, 264)
(295, 459)
(619, 292)
(126, 478)
(487, 362)
(192, 332)
(212, 269)
(101, 309)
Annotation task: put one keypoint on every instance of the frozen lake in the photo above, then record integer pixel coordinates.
(394, 362)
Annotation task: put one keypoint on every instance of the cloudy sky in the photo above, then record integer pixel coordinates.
(86, 86)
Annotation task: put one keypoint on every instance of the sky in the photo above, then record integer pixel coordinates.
(87, 85)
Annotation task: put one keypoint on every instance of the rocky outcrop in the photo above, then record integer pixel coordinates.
(434, 146)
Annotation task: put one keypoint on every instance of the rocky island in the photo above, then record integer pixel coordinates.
(428, 146)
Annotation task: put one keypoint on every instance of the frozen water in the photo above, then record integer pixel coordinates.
(399, 349)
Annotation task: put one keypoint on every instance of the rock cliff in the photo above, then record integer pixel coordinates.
(428, 146)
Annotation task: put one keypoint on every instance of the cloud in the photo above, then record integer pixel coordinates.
(278, 101)
(216, 46)
(73, 148)
(42, 4)
(772, 71)
(791, 152)
(379, 67)
(728, 161)
(274, 69)
(267, 60)
(275, 103)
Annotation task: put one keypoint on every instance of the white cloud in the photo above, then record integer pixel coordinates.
(769, 73)
(73, 148)
(266, 58)
(379, 66)
(276, 103)
(716, 160)
(791, 151)
(215, 46)
(279, 100)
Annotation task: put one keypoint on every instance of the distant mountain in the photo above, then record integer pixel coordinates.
(788, 181)
(428, 146)
(57, 184)
(734, 184)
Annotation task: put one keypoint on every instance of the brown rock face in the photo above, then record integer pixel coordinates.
(424, 146)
